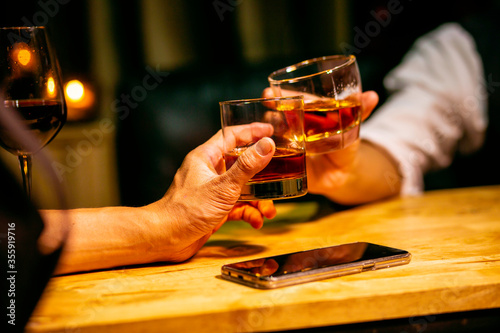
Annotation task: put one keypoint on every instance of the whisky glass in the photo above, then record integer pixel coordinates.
(331, 87)
(244, 122)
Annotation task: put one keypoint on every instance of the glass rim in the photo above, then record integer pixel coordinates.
(349, 60)
(261, 99)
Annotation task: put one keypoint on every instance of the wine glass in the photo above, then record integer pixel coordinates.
(30, 87)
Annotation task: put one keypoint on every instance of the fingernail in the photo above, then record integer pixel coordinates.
(263, 147)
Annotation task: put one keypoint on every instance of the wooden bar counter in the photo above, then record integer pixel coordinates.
(453, 236)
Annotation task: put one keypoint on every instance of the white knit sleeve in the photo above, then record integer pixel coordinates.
(437, 105)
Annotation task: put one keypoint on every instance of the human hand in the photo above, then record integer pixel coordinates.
(202, 196)
(329, 172)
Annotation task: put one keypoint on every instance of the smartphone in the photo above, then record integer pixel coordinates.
(313, 265)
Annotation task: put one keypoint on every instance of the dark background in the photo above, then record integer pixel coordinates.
(182, 112)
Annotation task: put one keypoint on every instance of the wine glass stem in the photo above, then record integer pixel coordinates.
(25, 164)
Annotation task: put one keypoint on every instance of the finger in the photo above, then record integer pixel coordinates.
(369, 100)
(252, 216)
(242, 135)
(268, 93)
(279, 92)
(267, 208)
(253, 160)
(247, 213)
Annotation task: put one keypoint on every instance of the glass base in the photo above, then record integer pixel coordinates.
(279, 189)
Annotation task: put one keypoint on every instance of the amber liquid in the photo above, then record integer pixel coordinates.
(283, 177)
(330, 125)
(44, 118)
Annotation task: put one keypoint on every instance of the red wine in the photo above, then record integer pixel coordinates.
(44, 118)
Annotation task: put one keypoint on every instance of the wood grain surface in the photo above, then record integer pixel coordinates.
(453, 236)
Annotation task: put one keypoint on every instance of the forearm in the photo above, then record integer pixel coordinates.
(102, 237)
(373, 176)
(172, 229)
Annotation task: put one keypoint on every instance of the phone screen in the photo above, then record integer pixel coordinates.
(314, 264)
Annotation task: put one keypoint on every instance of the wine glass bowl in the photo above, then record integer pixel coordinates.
(30, 87)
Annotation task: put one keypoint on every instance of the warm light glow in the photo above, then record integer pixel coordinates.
(80, 99)
(24, 57)
(51, 87)
(75, 91)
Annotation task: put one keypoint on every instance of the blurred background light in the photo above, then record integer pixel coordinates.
(80, 100)
(74, 91)
(24, 57)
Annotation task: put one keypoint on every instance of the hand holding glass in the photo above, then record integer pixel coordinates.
(281, 119)
(332, 99)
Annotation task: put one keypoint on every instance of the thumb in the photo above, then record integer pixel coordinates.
(253, 160)
(369, 100)
(268, 93)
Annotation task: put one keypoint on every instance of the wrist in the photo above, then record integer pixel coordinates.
(166, 239)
